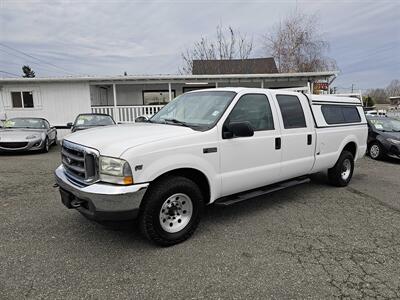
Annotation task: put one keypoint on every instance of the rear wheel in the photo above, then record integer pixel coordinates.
(171, 210)
(375, 151)
(342, 172)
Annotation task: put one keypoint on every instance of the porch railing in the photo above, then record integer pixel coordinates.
(127, 113)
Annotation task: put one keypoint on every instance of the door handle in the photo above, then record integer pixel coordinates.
(278, 143)
(309, 139)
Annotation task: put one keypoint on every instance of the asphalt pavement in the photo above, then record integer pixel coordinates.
(310, 241)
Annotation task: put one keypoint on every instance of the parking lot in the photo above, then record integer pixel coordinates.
(310, 241)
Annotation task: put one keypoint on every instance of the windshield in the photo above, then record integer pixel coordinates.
(25, 123)
(93, 120)
(386, 124)
(199, 109)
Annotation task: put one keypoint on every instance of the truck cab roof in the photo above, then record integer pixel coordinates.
(314, 99)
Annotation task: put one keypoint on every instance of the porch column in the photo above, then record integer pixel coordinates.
(262, 84)
(169, 91)
(116, 116)
(216, 84)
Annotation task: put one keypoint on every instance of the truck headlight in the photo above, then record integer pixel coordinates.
(394, 141)
(115, 170)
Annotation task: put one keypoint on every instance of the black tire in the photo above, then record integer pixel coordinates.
(55, 140)
(151, 207)
(376, 151)
(338, 175)
(46, 145)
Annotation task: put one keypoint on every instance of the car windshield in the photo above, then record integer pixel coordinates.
(200, 110)
(93, 120)
(25, 123)
(386, 124)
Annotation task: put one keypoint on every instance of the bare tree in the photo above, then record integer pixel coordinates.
(381, 95)
(228, 44)
(393, 89)
(378, 95)
(297, 46)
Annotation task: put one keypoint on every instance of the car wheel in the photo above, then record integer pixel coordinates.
(375, 151)
(342, 172)
(46, 145)
(55, 140)
(171, 210)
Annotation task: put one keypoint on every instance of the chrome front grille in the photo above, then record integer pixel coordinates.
(80, 163)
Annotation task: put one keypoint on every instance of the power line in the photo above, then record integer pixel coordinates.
(9, 73)
(34, 64)
(38, 59)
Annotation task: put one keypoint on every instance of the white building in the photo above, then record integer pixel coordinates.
(60, 100)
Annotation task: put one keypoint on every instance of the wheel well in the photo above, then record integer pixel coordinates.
(196, 176)
(352, 148)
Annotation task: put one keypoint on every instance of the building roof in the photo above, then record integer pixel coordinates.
(235, 66)
(312, 76)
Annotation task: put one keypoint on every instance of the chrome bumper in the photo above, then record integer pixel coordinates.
(101, 201)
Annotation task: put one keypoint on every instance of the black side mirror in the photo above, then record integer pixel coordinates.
(69, 124)
(238, 129)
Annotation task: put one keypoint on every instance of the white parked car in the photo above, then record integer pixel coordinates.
(211, 146)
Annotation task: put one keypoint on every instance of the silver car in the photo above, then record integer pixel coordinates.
(27, 134)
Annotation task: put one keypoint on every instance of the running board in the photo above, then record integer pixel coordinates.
(229, 200)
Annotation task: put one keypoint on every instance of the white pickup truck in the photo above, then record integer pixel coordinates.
(217, 146)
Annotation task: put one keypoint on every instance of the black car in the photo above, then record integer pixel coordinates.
(86, 121)
(383, 137)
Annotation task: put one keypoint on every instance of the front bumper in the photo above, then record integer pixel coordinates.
(101, 201)
(393, 150)
(12, 146)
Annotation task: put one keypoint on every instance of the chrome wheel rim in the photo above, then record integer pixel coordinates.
(175, 213)
(374, 151)
(346, 169)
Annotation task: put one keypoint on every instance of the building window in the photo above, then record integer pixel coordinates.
(292, 112)
(157, 97)
(339, 114)
(22, 99)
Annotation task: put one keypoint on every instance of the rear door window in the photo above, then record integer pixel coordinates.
(292, 112)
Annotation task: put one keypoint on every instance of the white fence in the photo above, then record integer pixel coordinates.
(127, 113)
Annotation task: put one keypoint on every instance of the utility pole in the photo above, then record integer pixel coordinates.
(352, 87)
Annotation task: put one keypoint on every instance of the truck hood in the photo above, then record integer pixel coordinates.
(18, 134)
(116, 139)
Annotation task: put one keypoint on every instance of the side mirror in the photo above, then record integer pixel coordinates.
(69, 124)
(238, 129)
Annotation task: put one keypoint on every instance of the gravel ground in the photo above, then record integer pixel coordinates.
(310, 241)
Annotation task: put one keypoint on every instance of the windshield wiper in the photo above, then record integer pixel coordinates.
(175, 121)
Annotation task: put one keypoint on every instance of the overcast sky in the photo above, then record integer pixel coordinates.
(147, 37)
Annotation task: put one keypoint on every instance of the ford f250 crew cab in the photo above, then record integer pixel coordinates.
(217, 146)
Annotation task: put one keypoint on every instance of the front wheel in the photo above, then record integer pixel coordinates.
(375, 151)
(171, 210)
(46, 145)
(342, 172)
